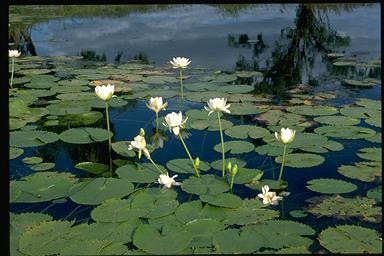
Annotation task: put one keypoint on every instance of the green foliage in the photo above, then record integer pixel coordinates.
(235, 147)
(301, 160)
(330, 186)
(207, 184)
(84, 135)
(364, 171)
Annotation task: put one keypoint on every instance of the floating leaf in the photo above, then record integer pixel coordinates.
(374, 121)
(283, 119)
(372, 154)
(359, 112)
(217, 165)
(337, 120)
(32, 160)
(375, 193)
(139, 173)
(121, 148)
(330, 186)
(205, 185)
(298, 214)
(360, 83)
(235, 147)
(235, 241)
(43, 166)
(301, 160)
(84, 135)
(15, 152)
(222, 200)
(272, 184)
(94, 168)
(368, 103)
(313, 110)
(345, 132)
(185, 166)
(364, 171)
(97, 190)
(271, 150)
(350, 239)
(68, 107)
(117, 210)
(245, 175)
(31, 138)
(73, 120)
(237, 88)
(245, 109)
(245, 131)
(211, 125)
(201, 86)
(41, 187)
(194, 210)
(340, 207)
(94, 247)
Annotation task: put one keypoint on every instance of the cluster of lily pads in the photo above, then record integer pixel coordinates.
(136, 209)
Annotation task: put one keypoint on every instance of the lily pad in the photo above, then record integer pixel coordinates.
(375, 193)
(245, 109)
(298, 214)
(360, 83)
(73, 120)
(41, 187)
(94, 247)
(237, 88)
(84, 135)
(159, 79)
(211, 125)
(374, 121)
(273, 184)
(245, 131)
(340, 207)
(217, 165)
(194, 210)
(97, 190)
(15, 152)
(222, 200)
(364, 171)
(375, 138)
(345, 132)
(235, 241)
(45, 166)
(121, 148)
(277, 117)
(351, 239)
(359, 112)
(201, 86)
(235, 147)
(246, 175)
(91, 167)
(313, 110)
(32, 160)
(301, 160)
(117, 210)
(185, 166)
(139, 172)
(69, 108)
(205, 185)
(271, 150)
(330, 186)
(372, 154)
(337, 120)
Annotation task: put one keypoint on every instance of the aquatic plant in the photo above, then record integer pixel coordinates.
(180, 63)
(286, 136)
(156, 104)
(13, 54)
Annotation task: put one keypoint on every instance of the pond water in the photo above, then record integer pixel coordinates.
(313, 68)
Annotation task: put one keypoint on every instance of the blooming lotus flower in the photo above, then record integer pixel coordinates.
(180, 62)
(217, 104)
(175, 122)
(139, 144)
(269, 197)
(156, 104)
(167, 181)
(105, 92)
(13, 53)
(286, 136)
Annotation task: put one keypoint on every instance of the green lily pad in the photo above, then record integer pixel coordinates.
(161, 241)
(194, 210)
(77, 96)
(340, 207)
(237, 88)
(335, 54)
(370, 104)
(272, 184)
(217, 165)
(359, 112)
(69, 108)
(219, 78)
(117, 210)
(301, 160)
(201, 86)
(330, 186)
(94, 247)
(31, 138)
(375, 138)
(211, 125)
(35, 71)
(73, 82)
(94, 168)
(84, 135)
(121, 148)
(139, 173)
(271, 150)
(45, 166)
(41, 187)
(245, 109)
(235, 147)
(245, 131)
(298, 214)
(350, 239)
(184, 165)
(113, 103)
(15, 152)
(313, 110)
(222, 200)
(337, 120)
(360, 83)
(41, 81)
(205, 185)
(364, 171)
(97, 190)
(372, 154)
(246, 175)
(344, 63)
(375, 193)
(15, 124)
(345, 132)
(32, 160)
(279, 118)
(374, 121)
(235, 241)
(248, 74)
(159, 79)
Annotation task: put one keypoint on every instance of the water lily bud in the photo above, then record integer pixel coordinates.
(142, 132)
(197, 162)
(234, 170)
(229, 166)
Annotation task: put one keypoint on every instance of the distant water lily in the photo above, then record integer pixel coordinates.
(269, 197)
(285, 136)
(175, 122)
(156, 104)
(13, 54)
(180, 63)
(167, 181)
(219, 105)
(105, 93)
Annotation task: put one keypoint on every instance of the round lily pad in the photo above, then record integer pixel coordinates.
(331, 186)
(345, 132)
(245, 131)
(375, 193)
(359, 112)
(298, 214)
(301, 160)
(84, 135)
(94, 168)
(245, 109)
(94, 247)
(97, 190)
(211, 125)
(234, 241)
(222, 200)
(313, 110)
(43, 166)
(235, 147)
(364, 171)
(337, 120)
(372, 154)
(350, 239)
(185, 166)
(193, 210)
(360, 83)
(15, 152)
(32, 160)
(117, 210)
(73, 120)
(217, 165)
(31, 138)
(121, 148)
(237, 88)
(139, 173)
(205, 185)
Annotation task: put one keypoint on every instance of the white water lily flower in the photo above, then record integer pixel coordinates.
(269, 197)
(180, 62)
(217, 104)
(13, 53)
(286, 136)
(175, 122)
(167, 181)
(156, 104)
(139, 144)
(105, 92)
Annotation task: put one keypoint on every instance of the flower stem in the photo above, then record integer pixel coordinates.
(181, 83)
(13, 70)
(157, 121)
(189, 155)
(222, 144)
(150, 159)
(233, 178)
(283, 162)
(109, 139)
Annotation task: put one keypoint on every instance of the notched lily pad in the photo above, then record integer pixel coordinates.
(235, 147)
(84, 135)
(205, 185)
(222, 200)
(184, 165)
(331, 186)
(31, 138)
(301, 160)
